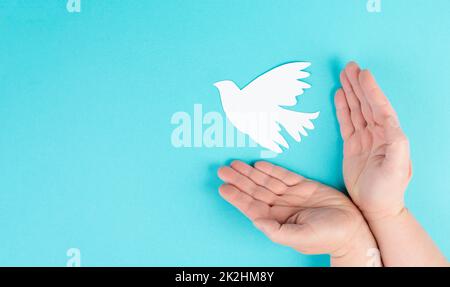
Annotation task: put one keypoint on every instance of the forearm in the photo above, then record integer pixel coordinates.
(403, 242)
(360, 251)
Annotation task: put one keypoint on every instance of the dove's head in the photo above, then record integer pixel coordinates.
(227, 89)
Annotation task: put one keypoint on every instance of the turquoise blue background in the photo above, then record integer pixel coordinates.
(86, 100)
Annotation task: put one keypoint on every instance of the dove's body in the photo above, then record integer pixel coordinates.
(256, 110)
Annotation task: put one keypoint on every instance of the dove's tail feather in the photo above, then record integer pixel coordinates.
(296, 122)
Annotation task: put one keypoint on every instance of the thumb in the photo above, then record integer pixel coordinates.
(267, 226)
(292, 235)
(397, 146)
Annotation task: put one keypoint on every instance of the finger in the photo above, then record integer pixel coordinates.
(379, 103)
(355, 107)
(288, 177)
(246, 185)
(249, 206)
(293, 235)
(397, 145)
(343, 115)
(410, 169)
(260, 178)
(352, 71)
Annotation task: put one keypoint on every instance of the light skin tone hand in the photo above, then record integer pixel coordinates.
(316, 219)
(294, 211)
(377, 170)
(377, 167)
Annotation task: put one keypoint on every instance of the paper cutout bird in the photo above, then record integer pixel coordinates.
(257, 109)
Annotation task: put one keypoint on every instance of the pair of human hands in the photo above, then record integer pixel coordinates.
(314, 218)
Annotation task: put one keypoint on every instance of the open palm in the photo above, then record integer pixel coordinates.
(290, 209)
(376, 162)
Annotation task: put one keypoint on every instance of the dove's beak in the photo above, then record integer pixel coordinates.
(218, 85)
(224, 85)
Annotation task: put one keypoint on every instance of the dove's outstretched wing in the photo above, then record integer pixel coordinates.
(281, 85)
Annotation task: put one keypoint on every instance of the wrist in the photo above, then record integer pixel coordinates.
(359, 250)
(386, 215)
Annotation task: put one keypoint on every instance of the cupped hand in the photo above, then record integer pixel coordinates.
(291, 210)
(377, 166)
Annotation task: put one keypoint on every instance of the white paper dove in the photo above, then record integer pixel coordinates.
(257, 109)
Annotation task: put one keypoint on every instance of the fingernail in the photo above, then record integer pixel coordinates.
(224, 190)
